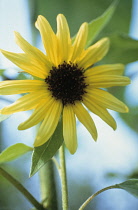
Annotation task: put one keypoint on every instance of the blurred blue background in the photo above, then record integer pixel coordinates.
(114, 158)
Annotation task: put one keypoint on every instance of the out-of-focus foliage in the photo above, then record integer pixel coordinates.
(81, 190)
(132, 117)
(96, 25)
(123, 49)
(79, 11)
(10, 197)
(1, 71)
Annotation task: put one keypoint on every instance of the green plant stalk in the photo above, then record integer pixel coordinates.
(63, 178)
(95, 194)
(47, 185)
(22, 189)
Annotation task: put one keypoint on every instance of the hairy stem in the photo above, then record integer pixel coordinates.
(95, 194)
(63, 178)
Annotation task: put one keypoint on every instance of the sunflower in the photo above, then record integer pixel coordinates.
(66, 83)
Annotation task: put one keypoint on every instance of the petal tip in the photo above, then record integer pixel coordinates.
(60, 15)
(72, 150)
(20, 128)
(129, 81)
(2, 51)
(39, 16)
(106, 42)
(114, 127)
(17, 36)
(126, 109)
(37, 21)
(37, 143)
(16, 33)
(106, 39)
(95, 138)
(85, 26)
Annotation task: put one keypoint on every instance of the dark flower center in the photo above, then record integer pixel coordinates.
(66, 82)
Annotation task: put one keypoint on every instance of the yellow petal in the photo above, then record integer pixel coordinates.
(80, 41)
(100, 111)
(69, 129)
(31, 50)
(106, 100)
(26, 102)
(26, 63)
(85, 118)
(109, 69)
(63, 37)
(38, 114)
(21, 86)
(104, 81)
(49, 123)
(94, 53)
(48, 37)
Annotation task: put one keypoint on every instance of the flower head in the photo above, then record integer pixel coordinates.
(67, 83)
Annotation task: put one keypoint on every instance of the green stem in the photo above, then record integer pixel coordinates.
(56, 163)
(63, 178)
(21, 188)
(95, 194)
(48, 188)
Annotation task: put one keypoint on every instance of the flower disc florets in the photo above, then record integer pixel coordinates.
(67, 83)
(68, 89)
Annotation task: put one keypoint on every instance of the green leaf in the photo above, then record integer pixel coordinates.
(45, 152)
(3, 117)
(130, 186)
(131, 118)
(123, 49)
(96, 25)
(14, 152)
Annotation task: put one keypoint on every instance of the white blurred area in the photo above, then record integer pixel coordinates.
(14, 17)
(114, 151)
